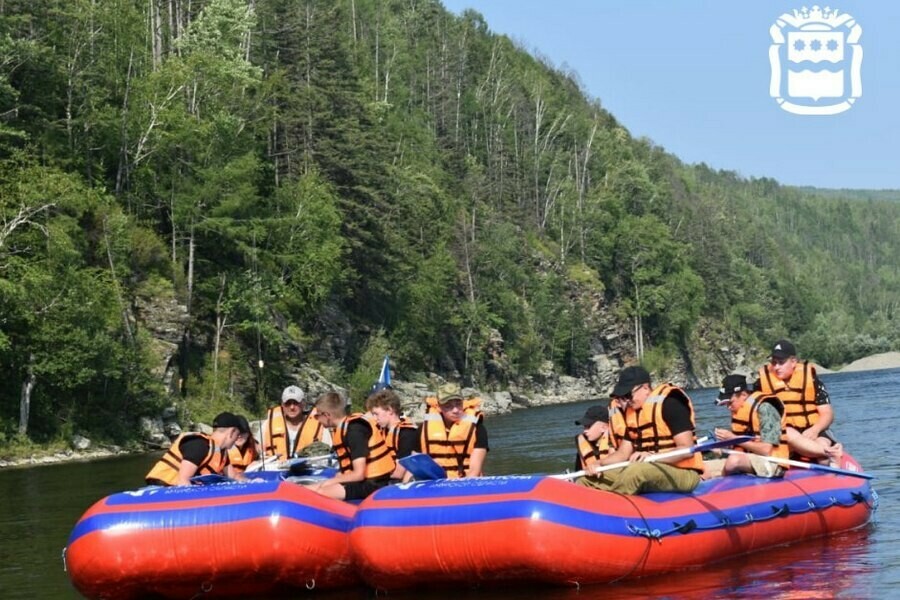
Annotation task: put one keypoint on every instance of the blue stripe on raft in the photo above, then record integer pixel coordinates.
(209, 515)
(452, 488)
(156, 495)
(463, 514)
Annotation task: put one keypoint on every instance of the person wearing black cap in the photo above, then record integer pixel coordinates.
(593, 443)
(808, 411)
(756, 414)
(657, 419)
(195, 453)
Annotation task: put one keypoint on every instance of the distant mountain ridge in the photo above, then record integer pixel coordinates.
(852, 194)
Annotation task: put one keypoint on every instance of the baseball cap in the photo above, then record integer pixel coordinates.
(448, 392)
(245, 424)
(732, 384)
(592, 415)
(292, 392)
(629, 378)
(783, 349)
(227, 419)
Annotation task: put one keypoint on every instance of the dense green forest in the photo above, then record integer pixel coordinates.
(321, 181)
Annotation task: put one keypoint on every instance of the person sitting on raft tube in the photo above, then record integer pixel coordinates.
(196, 453)
(400, 434)
(808, 411)
(594, 442)
(364, 459)
(756, 414)
(453, 433)
(657, 419)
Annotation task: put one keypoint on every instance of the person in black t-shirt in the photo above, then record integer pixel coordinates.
(365, 461)
(400, 433)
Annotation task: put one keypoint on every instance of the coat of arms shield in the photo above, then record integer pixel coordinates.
(815, 58)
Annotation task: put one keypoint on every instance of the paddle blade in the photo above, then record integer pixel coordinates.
(837, 471)
(423, 467)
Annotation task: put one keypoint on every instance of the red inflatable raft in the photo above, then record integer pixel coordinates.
(535, 528)
(227, 540)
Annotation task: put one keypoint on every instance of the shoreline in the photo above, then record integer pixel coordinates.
(68, 456)
(875, 362)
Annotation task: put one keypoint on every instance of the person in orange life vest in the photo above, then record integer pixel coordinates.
(808, 410)
(753, 414)
(453, 433)
(617, 406)
(244, 451)
(400, 433)
(195, 453)
(658, 419)
(364, 459)
(594, 442)
(292, 426)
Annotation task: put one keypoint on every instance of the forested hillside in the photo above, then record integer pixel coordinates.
(321, 181)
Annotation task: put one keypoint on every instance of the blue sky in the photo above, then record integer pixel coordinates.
(693, 76)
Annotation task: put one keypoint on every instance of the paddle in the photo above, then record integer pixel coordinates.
(810, 466)
(423, 467)
(700, 446)
(260, 465)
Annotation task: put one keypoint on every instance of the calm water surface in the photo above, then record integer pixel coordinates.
(41, 505)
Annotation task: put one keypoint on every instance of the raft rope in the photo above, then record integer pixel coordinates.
(650, 538)
(782, 510)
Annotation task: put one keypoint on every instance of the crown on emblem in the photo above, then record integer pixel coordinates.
(816, 14)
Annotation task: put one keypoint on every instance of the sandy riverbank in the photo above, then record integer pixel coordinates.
(885, 360)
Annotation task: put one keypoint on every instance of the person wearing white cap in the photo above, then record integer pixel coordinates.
(290, 427)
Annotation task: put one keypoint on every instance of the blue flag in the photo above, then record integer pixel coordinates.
(384, 378)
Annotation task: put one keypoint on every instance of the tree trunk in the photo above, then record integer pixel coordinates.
(190, 269)
(25, 398)
(221, 319)
(156, 34)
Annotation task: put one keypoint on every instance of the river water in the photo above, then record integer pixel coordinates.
(42, 505)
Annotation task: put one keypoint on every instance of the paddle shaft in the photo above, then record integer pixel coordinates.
(810, 466)
(652, 458)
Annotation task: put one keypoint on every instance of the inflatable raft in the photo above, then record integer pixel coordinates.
(541, 529)
(225, 540)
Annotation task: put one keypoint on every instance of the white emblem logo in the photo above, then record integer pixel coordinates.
(823, 57)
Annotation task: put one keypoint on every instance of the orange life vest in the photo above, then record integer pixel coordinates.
(380, 460)
(616, 425)
(648, 432)
(166, 469)
(798, 394)
(276, 441)
(746, 421)
(392, 434)
(590, 453)
(241, 459)
(450, 447)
